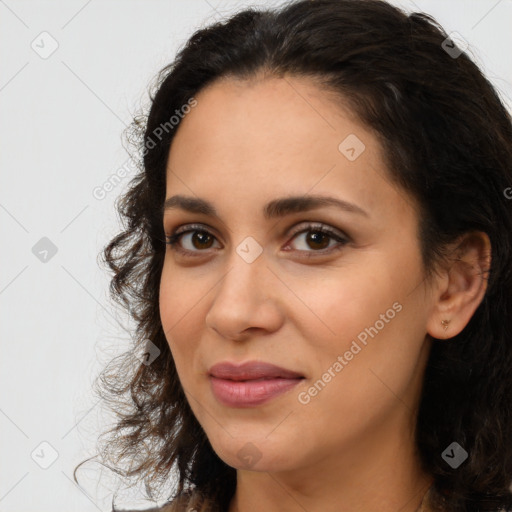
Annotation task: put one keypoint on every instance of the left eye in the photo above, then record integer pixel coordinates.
(319, 238)
(316, 237)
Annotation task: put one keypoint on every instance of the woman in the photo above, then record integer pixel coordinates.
(317, 253)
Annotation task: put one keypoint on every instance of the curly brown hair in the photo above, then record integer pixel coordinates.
(448, 141)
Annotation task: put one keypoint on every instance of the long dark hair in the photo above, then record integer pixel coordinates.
(448, 142)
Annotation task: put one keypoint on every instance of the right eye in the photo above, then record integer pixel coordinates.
(196, 236)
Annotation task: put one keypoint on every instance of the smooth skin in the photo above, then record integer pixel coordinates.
(351, 447)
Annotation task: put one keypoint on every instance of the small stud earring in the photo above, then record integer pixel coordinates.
(445, 324)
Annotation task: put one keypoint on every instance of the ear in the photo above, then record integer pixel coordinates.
(460, 285)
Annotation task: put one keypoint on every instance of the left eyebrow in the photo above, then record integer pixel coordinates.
(274, 209)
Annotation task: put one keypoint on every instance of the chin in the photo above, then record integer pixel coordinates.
(254, 453)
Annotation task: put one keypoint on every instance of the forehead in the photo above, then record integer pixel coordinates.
(235, 117)
(262, 138)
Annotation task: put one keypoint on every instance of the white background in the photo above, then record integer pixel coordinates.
(61, 120)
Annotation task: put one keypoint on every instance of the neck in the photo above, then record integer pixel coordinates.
(379, 476)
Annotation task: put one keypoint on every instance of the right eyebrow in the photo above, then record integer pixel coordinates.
(274, 209)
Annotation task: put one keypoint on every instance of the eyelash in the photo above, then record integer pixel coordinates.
(173, 239)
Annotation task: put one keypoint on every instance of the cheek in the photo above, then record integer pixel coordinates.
(181, 293)
(366, 314)
(373, 322)
(179, 304)
(343, 302)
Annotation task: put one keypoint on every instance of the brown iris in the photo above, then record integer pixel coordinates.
(201, 237)
(315, 238)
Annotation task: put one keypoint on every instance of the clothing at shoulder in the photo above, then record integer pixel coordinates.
(154, 509)
(164, 508)
(172, 506)
(183, 503)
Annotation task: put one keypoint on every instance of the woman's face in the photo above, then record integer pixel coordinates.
(255, 281)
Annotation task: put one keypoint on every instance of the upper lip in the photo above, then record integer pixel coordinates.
(251, 370)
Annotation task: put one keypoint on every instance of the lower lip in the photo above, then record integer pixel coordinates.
(249, 393)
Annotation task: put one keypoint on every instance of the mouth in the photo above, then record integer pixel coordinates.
(250, 384)
(251, 370)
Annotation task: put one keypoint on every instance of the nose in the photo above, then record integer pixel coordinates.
(246, 300)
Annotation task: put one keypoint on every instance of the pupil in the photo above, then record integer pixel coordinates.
(201, 237)
(316, 236)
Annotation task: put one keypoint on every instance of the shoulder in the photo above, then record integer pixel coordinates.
(186, 502)
(171, 506)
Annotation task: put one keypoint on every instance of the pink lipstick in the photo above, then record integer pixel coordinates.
(250, 384)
